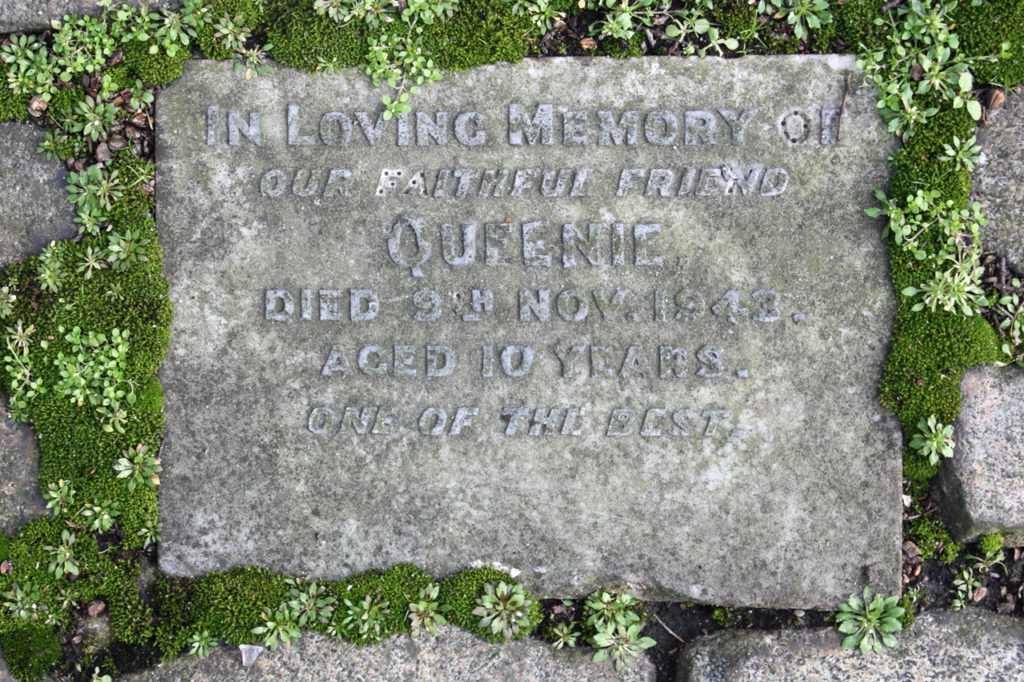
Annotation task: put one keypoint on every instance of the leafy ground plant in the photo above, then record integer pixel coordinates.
(802, 15)
(933, 439)
(502, 608)
(621, 643)
(279, 628)
(869, 622)
(201, 643)
(426, 613)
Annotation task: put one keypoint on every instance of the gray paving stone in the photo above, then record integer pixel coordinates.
(710, 418)
(983, 483)
(999, 180)
(969, 645)
(453, 655)
(33, 211)
(33, 205)
(20, 501)
(35, 15)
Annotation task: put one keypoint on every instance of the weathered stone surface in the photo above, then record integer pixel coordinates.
(33, 212)
(20, 501)
(35, 15)
(944, 645)
(983, 483)
(33, 207)
(714, 433)
(999, 180)
(453, 655)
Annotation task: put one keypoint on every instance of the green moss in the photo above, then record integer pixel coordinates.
(130, 617)
(724, 617)
(13, 107)
(735, 18)
(173, 604)
(917, 468)
(401, 585)
(392, 587)
(855, 24)
(31, 651)
(121, 75)
(5, 546)
(29, 563)
(461, 592)
(984, 29)
(64, 101)
(930, 351)
(990, 544)
(932, 538)
(230, 603)
(909, 606)
(916, 165)
(249, 12)
(622, 49)
(480, 32)
(153, 69)
(305, 40)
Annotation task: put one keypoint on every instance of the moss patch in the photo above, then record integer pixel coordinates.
(308, 41)
(985, 30)
(31, 651)
(461, 592)
(480, 32)
(155, 69)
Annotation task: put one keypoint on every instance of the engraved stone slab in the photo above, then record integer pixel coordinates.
(607, 322)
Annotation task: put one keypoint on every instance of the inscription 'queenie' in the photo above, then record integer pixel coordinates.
(534, 243)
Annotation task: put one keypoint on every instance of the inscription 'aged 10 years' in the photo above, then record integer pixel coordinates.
(430, 330)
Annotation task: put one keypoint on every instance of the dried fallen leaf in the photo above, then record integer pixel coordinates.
(588, 44)
(95, 608)
(5, 567)
(911, 551)
(36, 106)
(116, 143)
(980, 593)
(995, 98)
(103, 152)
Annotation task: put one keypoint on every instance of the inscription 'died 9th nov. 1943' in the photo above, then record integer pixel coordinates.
(428, 329)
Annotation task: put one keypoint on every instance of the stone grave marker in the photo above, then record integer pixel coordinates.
(605, 322)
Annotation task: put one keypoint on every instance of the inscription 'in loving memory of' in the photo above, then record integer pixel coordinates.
(541, 127)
